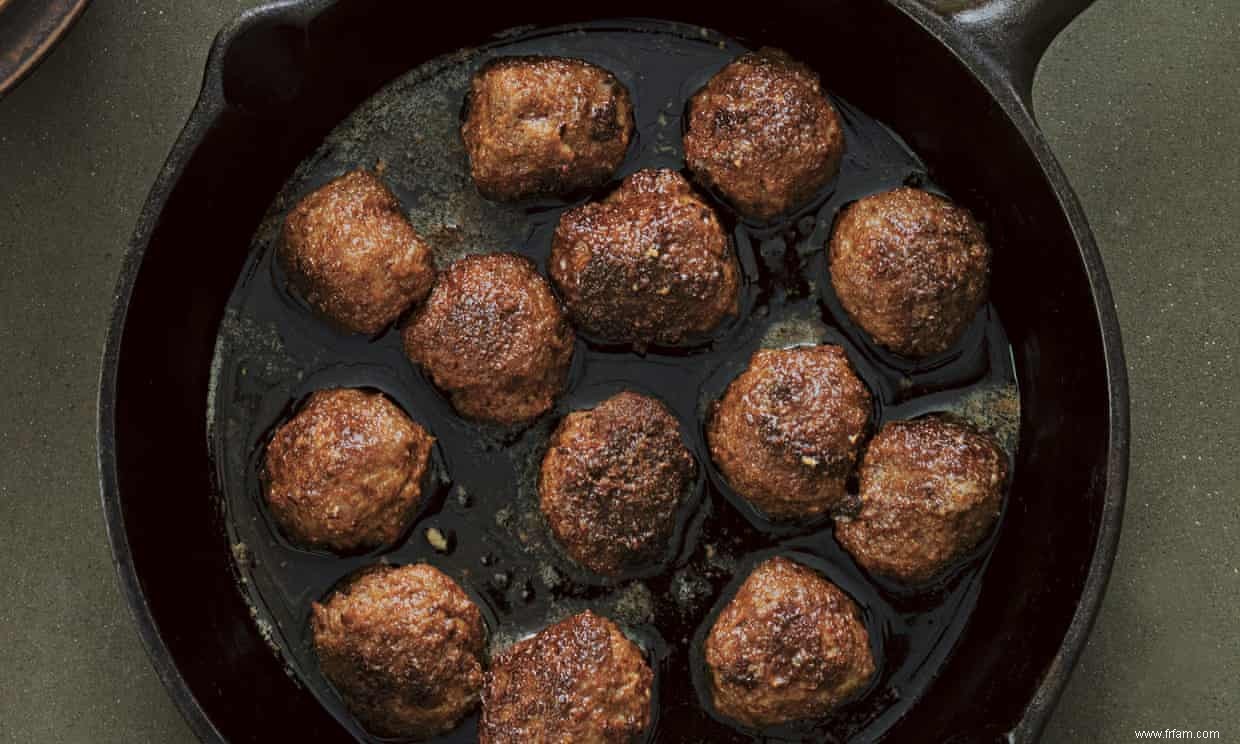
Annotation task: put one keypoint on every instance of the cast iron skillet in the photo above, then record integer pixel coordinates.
(953, 81)
(28, 31)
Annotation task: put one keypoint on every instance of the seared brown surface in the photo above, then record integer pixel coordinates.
(788, 430)
(351, 253)
(911, 268)
(580, 681)
(648, 264)
(346, 472)
(763, 134)
(541, 126)
(612, 481)
(931, 490)
(789, 646)
(403, 647)
(493, 338)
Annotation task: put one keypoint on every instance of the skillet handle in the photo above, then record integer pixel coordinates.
(1012, 35)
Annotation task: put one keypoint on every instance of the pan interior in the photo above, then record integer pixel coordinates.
(271, 352)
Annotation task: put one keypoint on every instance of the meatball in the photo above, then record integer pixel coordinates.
(763, 134)
(351, 253)
(580, 680)
(788, 430)
(931, 490)
(910, 268)
(347, 472)
(403, 647)
(789, 646)
(544, 126)
(650, 264)
(612, 482)
(493, 338)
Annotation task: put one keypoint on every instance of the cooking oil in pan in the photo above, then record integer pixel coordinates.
(481, 524)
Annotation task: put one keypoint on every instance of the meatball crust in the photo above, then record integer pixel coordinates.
(931, 490)
(910, 268)
(612, 482)
(351, 253)
(544, 126)
(493, 338)
(403, 647)
(789, 646)
(650, 264)
(763, 134)
(788, 430)
(580, 680)
(346, 473)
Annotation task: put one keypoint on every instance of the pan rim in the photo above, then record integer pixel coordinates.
(209, 104)
(52, 29)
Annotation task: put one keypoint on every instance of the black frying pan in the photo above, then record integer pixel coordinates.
(955, 86)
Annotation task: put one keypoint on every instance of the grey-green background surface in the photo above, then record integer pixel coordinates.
(1141, 101)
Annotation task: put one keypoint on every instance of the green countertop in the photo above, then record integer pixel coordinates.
(1139, 98)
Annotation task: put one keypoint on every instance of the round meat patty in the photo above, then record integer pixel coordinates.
(347, 472)
(910, 268)
(351, 253)
(612, 482)
(763, 134)
(580, 680)
(650, 264)
(544, 126)
(493, 338)
(790, 646)
(788, 430)
(931, 490)
(403, 647)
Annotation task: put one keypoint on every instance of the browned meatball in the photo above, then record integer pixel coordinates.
(650, 264)
(612, 481)
(763, 134)
(931, 490)
(403, 647)
(580, 681)
(910, 268)
(351, 253)
(346, 473)
(787, 432)
(789, 646)
(492, 337)
(544, 126)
